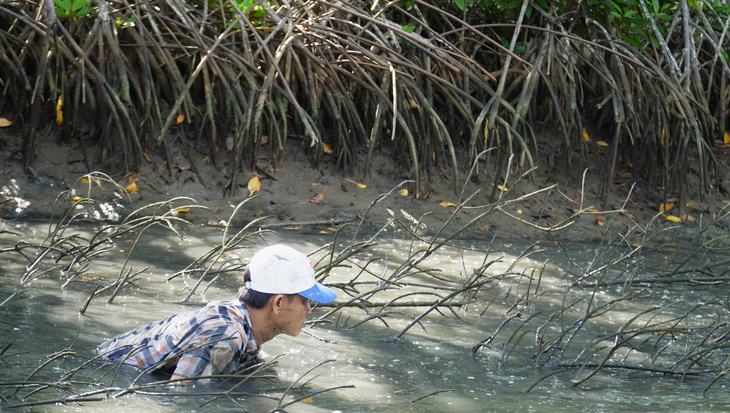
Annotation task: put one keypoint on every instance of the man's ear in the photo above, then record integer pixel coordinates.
(276, 302)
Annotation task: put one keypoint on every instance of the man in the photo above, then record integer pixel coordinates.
(219, 338)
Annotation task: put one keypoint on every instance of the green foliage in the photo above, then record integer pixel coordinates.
(72, 9)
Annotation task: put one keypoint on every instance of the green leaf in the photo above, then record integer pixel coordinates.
(60, 13)
(655, 3)
(83, 12)
(78, 4)
(461, 4)
(64, 5)
(408, 29)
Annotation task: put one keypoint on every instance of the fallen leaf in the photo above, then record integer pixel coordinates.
(59, 111)
(591, 210)
(146, 157)
(264, 139)
(332, 229)
(599, 222)
(4, 123)
(75, 199)
(307, 400)
(358, 184)
(689, 204)
(519, 212)
(317, 199)
(502, 188)
(485, 228)
(403, 192)
(253, 185)
(85, 180)
(447, 204)
(207, 159)
(601, 143)
(665, 207)
(585, 136)
(326, 148)
(726, 138)
(180, 118)
(132, 188)
(672, 218)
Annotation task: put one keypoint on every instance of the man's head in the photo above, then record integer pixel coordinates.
(278, 269)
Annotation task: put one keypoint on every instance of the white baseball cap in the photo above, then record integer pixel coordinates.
(279, 269)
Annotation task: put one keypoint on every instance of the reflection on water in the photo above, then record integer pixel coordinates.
(431, 367)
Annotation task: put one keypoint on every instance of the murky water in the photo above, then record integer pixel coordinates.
(431, 367)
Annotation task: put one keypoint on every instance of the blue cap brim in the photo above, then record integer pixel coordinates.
(319, 293)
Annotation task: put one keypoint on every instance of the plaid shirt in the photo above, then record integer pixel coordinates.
(216, 339)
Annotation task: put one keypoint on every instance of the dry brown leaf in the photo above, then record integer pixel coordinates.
(253, 185)
(485, 227)
(317, 199)
(59, 111)
(403, 192)
(599, 222)
(447, 204)
(664, 134)
(180, 118)
(146, 157)
(4, 123)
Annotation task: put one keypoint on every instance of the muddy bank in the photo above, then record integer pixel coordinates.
(295, 193)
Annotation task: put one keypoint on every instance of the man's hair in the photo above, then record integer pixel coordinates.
(252, 298)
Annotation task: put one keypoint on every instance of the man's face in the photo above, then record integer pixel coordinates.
(294, 313)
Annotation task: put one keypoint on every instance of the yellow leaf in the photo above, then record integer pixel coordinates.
(85, 180)
(326, 148)
(4, 123)
(601, 143)
(585, 136)
(502, 188)
(599, 222)
(76, 199)
(519, 212)
(253, 185)
(667, 207)
(307, 400)
(182, 210)
(59, 112)
(447, 204)
(332, 229)
(180, 118)
(689, 204)
(726, 138)
(403, 192)
(132, 188)
(358, 184)
(672, 218)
